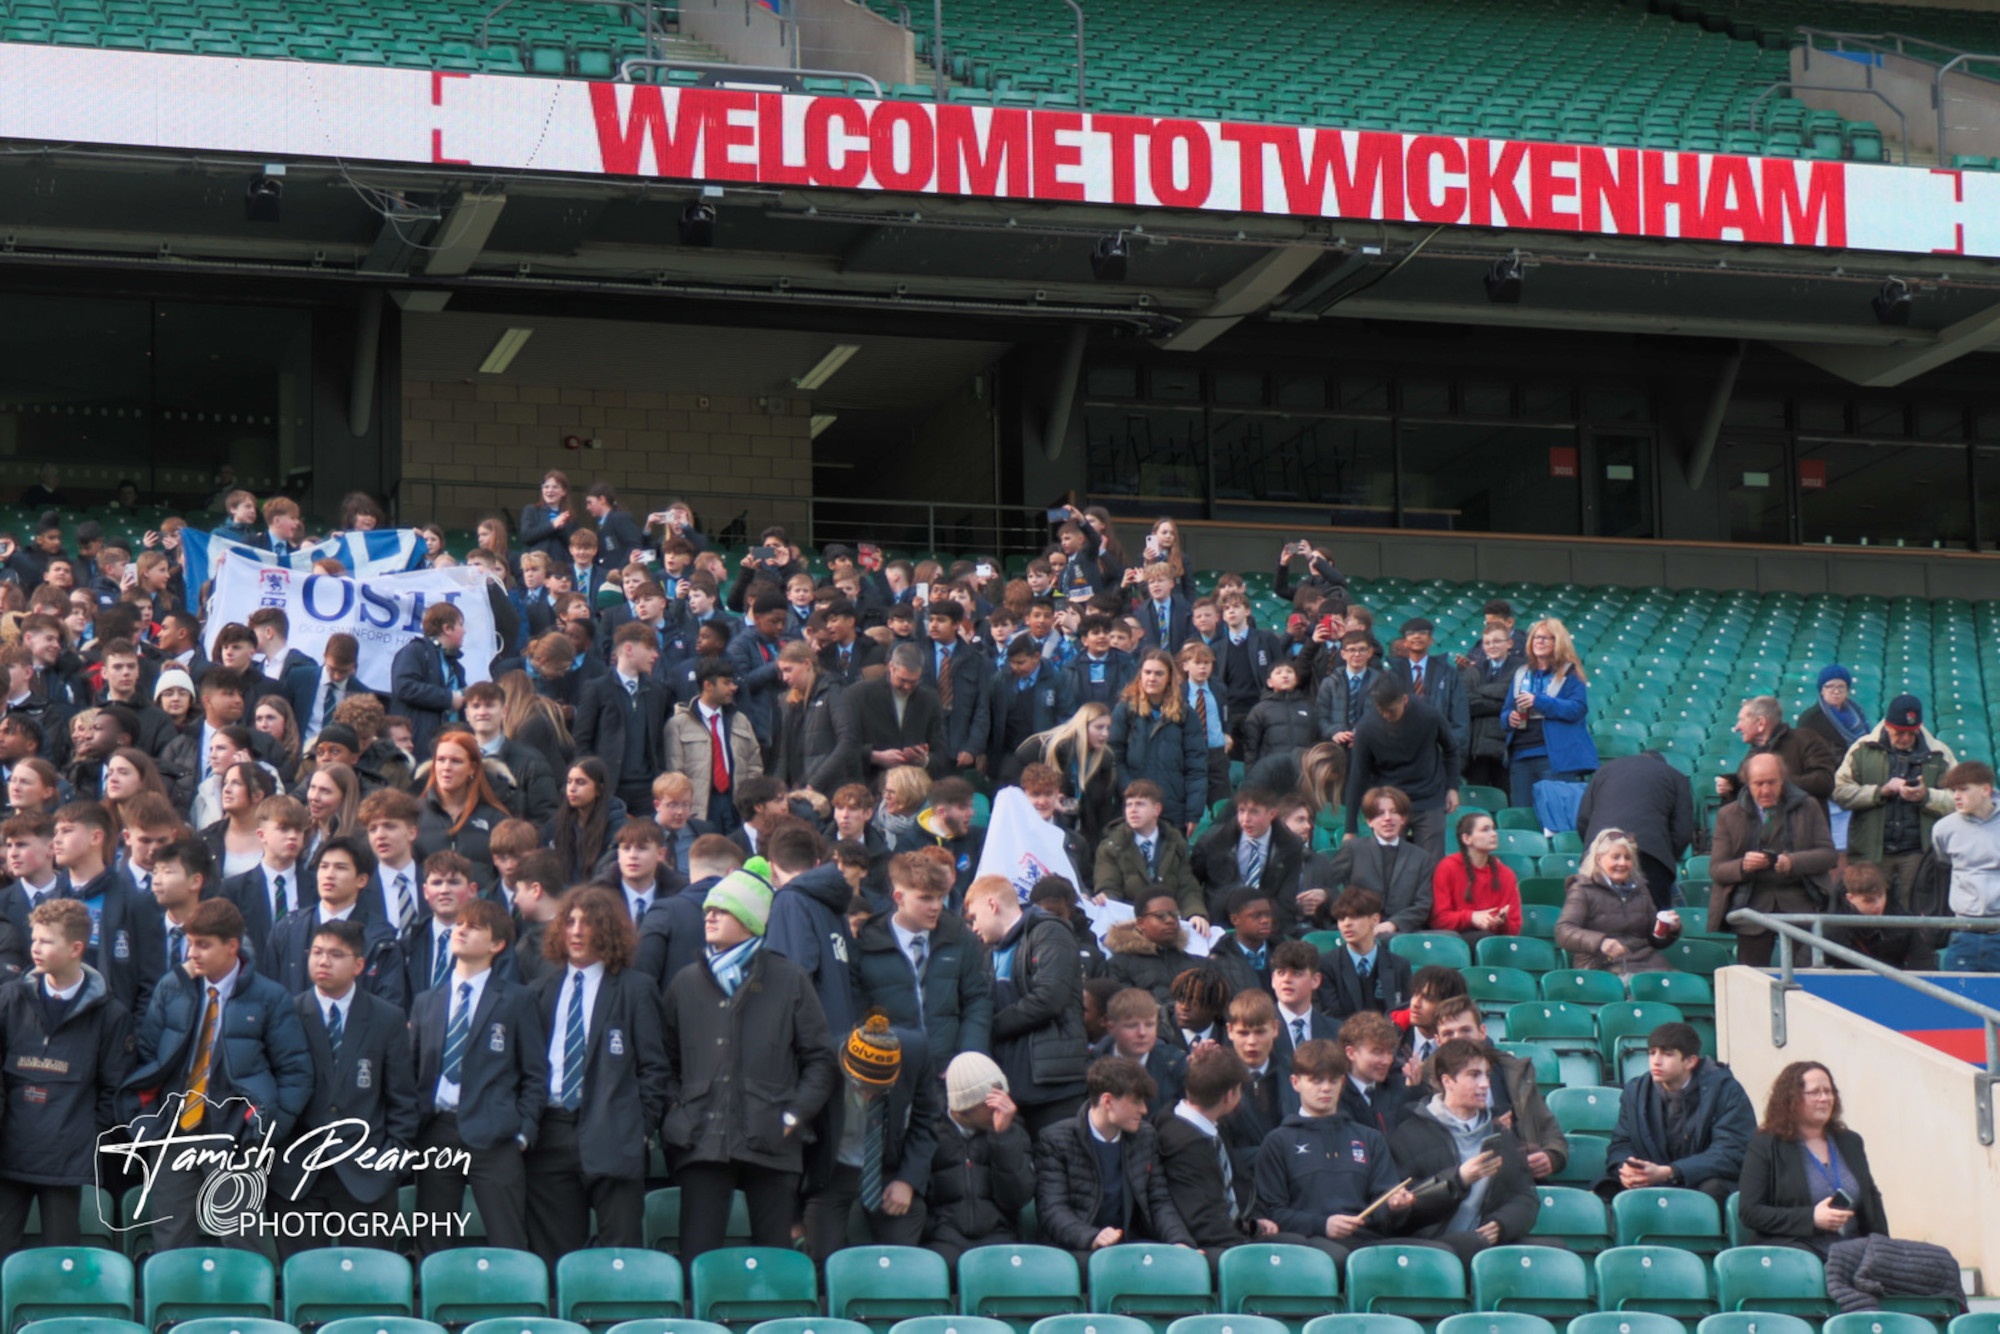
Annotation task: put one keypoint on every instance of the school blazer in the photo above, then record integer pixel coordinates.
(372, 1080)
(504, 1080)
(624, 1069)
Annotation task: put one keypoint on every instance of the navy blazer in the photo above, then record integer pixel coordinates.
(618, 536)
(291, 944)
(1319, 1024)
(418, 690)
(131, 937)
(251, 893)
(1340, 986)
(539, 532)
(303, 686)
(624, 1070)
(1179, 627)
(419, 948)
(372, 1080)
(504, 1081)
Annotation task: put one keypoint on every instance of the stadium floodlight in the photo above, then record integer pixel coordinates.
(1892, 303)
(505, 348)
(698, 224)
(263, 198)
(824, 369)
(1109, 258)
(1505, 280)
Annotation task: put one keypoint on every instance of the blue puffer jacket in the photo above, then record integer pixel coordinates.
(260, 1056)
(1174, 755)
(1565, 724)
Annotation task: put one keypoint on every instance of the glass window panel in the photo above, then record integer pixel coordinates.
(1752, 409)
(1880, 494)
(1174, 384)
(1497, 479)
(1427, 395)
(1276, 457)
(1300, 392)
(1548, 402)
(1487, 398)
(1146, 451)
(1239, 387)
(1617, 403)
(1112, 382)
(1754, 488)
(1824, 415)
(1364, 393)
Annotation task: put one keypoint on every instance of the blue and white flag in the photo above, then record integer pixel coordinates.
(383, 551)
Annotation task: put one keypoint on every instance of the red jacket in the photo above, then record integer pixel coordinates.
(1453, 901)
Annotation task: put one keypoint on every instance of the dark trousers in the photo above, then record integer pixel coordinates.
(1756, 951)
(1659, 878)
(561, 1197)
(1426, 830)
(1037, 1117)
(496, 1176)
(1486, 772)
(830, 1210)
(62, 1213)
(722, 816)
(706, 1188)
(326, 1195)
(952, 1247)
(173, 1207)
(1219, 785)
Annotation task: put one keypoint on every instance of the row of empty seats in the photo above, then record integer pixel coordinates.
(1661, 1251)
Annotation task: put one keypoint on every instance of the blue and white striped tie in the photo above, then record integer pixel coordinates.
(572, 1083)
(457, 1032)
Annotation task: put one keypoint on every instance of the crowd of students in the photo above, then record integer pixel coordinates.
(682, 885)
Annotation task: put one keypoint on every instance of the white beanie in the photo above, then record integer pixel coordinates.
(969, 1078)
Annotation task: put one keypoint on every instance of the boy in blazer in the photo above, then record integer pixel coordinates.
(1362, 973)
(607, 1079)
(482, 1080)
(343, 867)
(362, 1071)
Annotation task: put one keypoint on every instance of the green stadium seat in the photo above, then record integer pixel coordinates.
(1592, 1110)
(1517, 817)
(474, 1283)
(942, 1324)
(1878, 1322)
(608, 1285)
(384, 1324)
(1622, 1030)
(1483, 798)
(224, 1324)
(208, 1280)
(1547, 1068)
(1495, 1322)
(880, 1285)
(1692, 994)
(1019, 1284)
(1090, 1324)
(1289, 1283)
(326, 1285)
(1570, 1030)
(1495, 989)
(1698, 956)
(1155, 1283)
(1427, 947)
(810, 1324)
(1227, 1324)
(1544, 889)
(1587, 1156)
(745, 1285)
(1753, 1322)
(1668, 1216)
(91, 1324)
(1524, 842)
(1524, 953)
(1352, 1323)
(64, 1281)
(1537, 1280)
(1586, 987)
(1784, 1279)
(1975, 1322)
(1538, 922)
(1625, 1322)
(668, 1326)
(1572, 1217)
(1415, 1281)
(1659, 1279)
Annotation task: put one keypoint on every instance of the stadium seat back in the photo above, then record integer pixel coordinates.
(745, 1285)
(944, 1324)
(881, 1285)
(1019, 1284)
(473, 1283)
(1289, 1283)
(227, 1324)
(1090, 1324)
(608, 1285)
(327, 1285)
(524, 1324)
(1227, 1324)
(1668, 1216)
(1362, 1323)
(1693, 993)
(1495, 1322)
(1784, 1279)
(1591, 1110)
(1155, 1283)
(810, 1324)
(1405, 1280)
(1878, 1322)
(663, 1325)
(1573, 1217)
(385, 1324)
(64, 1281)
(1622, 1030)
(1588, 987)
(1625, 1322)
(1423, 947)
(1536, 1280)
(1660, 1279)
(207, 1281)
(1527, 953)
(1587, 1156)
(1753, 1322)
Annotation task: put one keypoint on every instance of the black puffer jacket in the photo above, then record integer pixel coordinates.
(1278, 725)
(979, 1184)
(1067, 1187)
(1138, 962)
(61, 1087)
(1038, 1011)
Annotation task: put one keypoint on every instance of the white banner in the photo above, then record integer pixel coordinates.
(385, 551)
(382, 612)
(281, 109)
(1022, 846)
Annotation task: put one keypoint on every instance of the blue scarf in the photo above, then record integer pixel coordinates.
(1848, 721)
(731, 964)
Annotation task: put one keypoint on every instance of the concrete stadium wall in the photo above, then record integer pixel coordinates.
(1913, 1104)
(470, 449)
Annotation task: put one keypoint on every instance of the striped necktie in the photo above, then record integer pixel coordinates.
(573, 1056)
(456, 1034)
(196, 1106)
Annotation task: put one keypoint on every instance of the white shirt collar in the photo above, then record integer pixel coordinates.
(1185, 1110)
(67, 993)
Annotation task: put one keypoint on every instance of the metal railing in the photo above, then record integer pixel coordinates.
(721, 71)
(1902, 121)
(1809, 928)
(732, 518)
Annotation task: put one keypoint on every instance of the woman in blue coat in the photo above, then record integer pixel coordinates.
(1548, 727)
(1154, 734)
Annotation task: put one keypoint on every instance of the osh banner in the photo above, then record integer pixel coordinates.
(385, 551)
(1021, 845)
(382, 612)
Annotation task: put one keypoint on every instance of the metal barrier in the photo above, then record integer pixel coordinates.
(720, 73)
(1791, 928)
(735, 517)
(1902, 137)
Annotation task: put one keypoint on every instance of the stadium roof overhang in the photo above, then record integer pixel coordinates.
(591, 198)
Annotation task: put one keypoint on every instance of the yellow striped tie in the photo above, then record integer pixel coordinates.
(196, 1106)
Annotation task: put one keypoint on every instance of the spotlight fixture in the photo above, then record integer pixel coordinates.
(1892, 303)
(264, 196)
(698, 224)
(1109, 259)
(1504, 281)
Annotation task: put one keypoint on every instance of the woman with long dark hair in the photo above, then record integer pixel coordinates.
(1155, 735)
(1805, 1178)
(1472, 893)
(587, 821)
(233, 838)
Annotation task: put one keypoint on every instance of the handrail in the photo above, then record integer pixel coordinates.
(1892, 43)
(630, 63)
(1937, 96)
(1902, 121)
(1786, 926)
(1077, 10)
